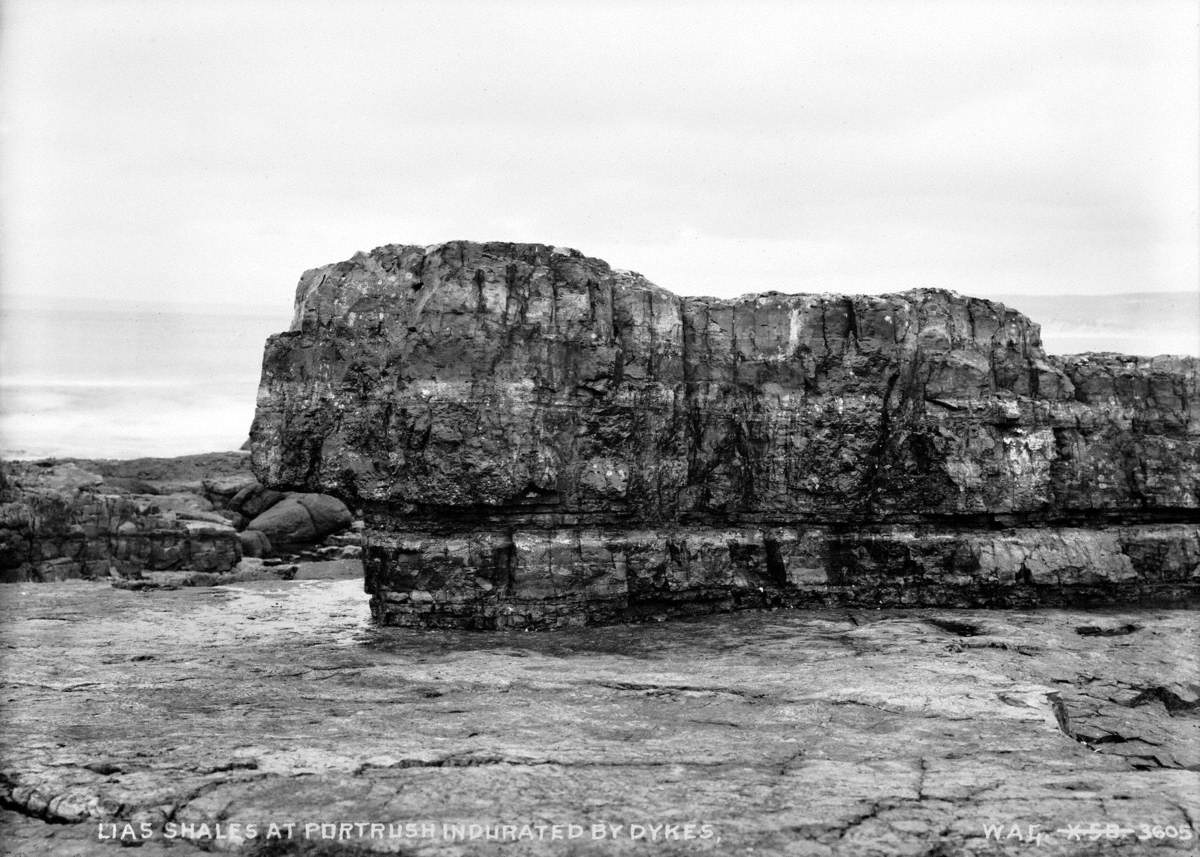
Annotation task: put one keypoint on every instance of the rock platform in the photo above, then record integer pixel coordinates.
(822, 732)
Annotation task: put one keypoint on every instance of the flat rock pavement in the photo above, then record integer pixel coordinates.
(210, 714)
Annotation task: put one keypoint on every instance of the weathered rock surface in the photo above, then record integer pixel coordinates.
(824, 732)
(540, 439)
(62, 520)
(254, 543)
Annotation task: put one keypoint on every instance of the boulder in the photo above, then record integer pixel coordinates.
(286, 522)
(255, 543)
(302, 518)
(329, 514)
(253, 500)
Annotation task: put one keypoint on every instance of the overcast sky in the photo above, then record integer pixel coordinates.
(211, 151)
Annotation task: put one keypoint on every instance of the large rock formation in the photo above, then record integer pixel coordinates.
(537, 438)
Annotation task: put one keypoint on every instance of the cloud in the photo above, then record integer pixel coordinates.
(220, 148)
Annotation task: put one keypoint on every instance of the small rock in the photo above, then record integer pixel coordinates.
(254, 543)
(329, 514)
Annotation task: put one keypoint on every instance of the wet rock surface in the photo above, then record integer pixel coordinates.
(790, 732)
(539, 439)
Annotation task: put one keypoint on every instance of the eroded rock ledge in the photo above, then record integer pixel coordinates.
(63, 519)
(540, 439)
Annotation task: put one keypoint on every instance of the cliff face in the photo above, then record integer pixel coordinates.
(538, 438)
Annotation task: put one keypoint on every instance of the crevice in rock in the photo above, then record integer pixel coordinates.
(1176, 705)
(879, 449)
(1101, 631)
(787, 763)
(1187, 815)
(468, 761)
(851, 321)
(876, 807)
(1098, 738)
(954, 626)
(679, 688)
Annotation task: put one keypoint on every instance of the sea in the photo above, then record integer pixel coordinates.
(98, 378)
(103, 379)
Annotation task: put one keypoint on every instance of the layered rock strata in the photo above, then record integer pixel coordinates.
(59, 521)
(78, 518)
(537, 439)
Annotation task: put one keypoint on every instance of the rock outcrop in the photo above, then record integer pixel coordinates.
(60, 521)
(78, 518)
(537, 438)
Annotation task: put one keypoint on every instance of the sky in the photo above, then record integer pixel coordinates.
(209, 152)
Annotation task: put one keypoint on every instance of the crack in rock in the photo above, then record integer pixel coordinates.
(1176, 705)
(1107, 630)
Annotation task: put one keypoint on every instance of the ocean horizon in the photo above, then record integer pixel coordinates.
(93, 379)
(101, 379)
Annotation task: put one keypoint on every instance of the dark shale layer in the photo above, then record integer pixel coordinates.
(539, 439)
